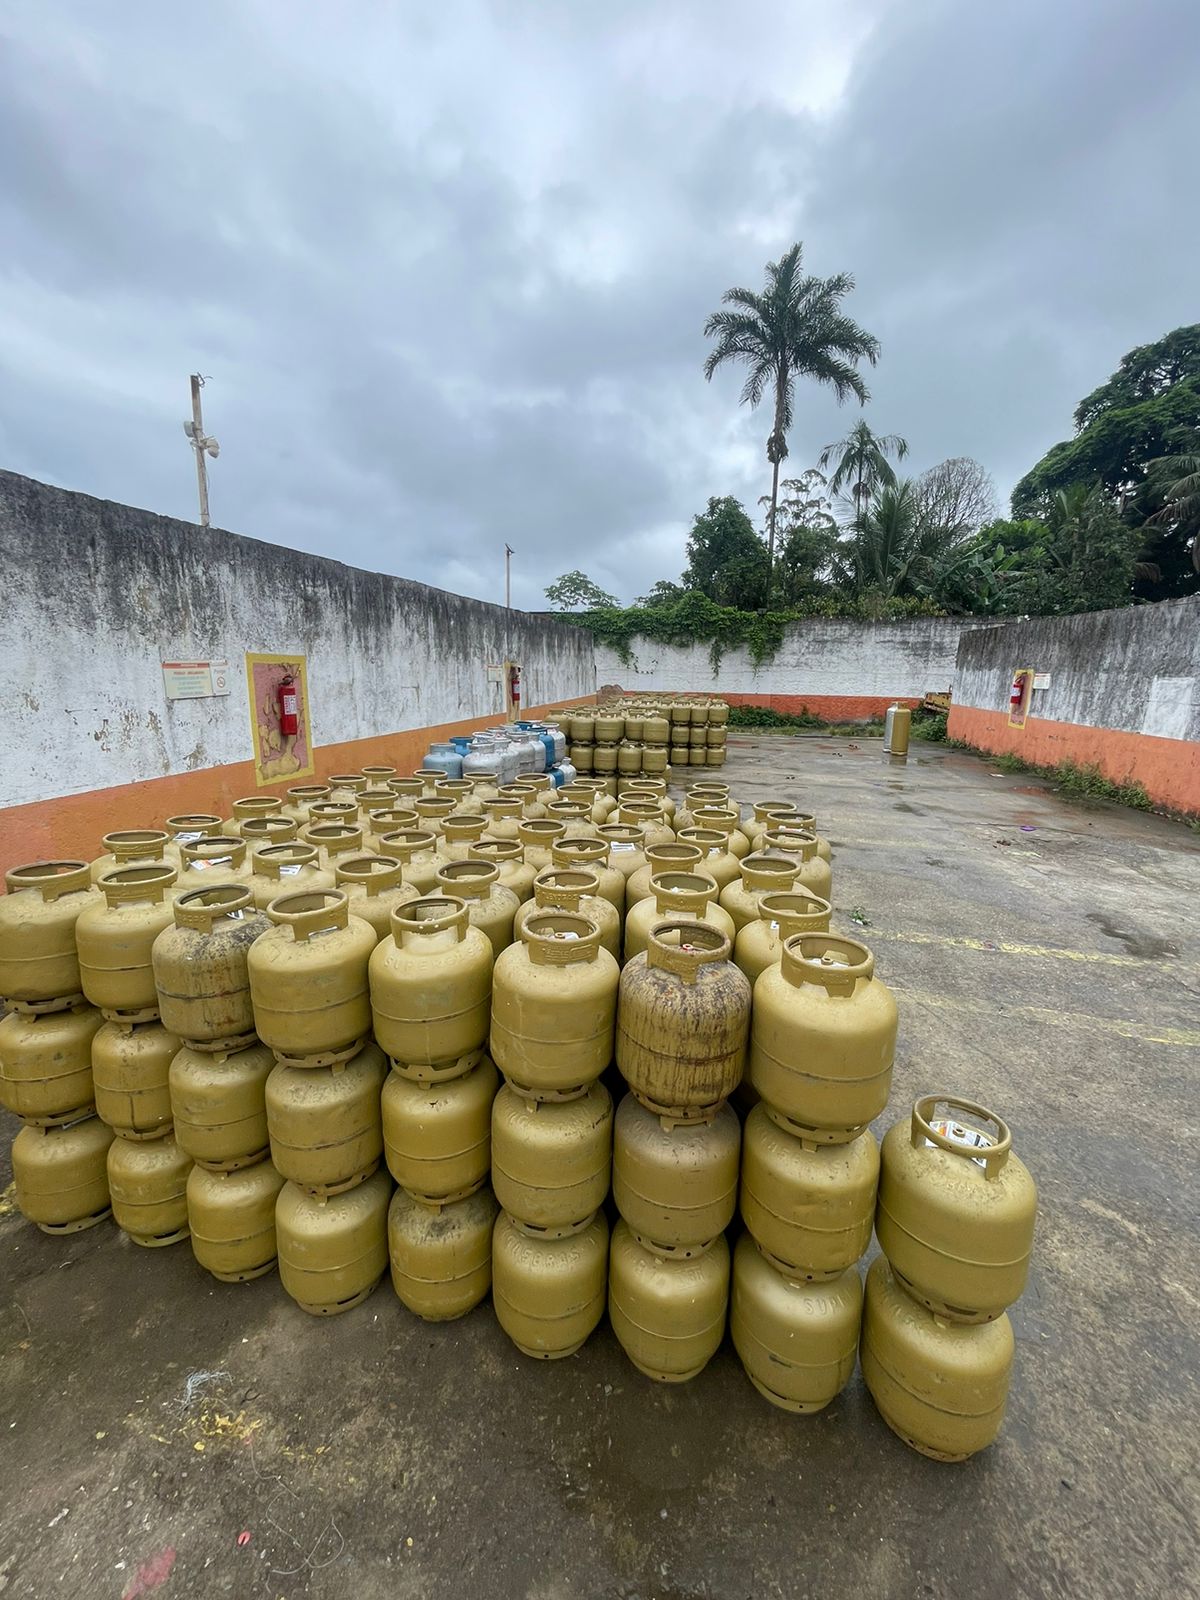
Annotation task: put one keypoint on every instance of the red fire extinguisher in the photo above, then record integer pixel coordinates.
(514, 684)
(287, 697)
(1017, 693)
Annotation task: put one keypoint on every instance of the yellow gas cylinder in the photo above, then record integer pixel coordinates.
(461, 832)
(676, 1186)
(763, 815)
(38, 959)
(131, 847)
(941, 1386)
(810, 1207)
(610, 727)
(148, 1185)
(649, 787)
(823, 1038)
(806, 821)
(218, 1105)
(815, 874)
(231, 1218)
(215, 859)
(131, 1064)
(507, 854)
(532, 794)
(599, 806)
(251, 808)
(324, 1122)
(46, 1064)
(554, 1002)
(683, 857)
(433, 813)
(332, 814)
(582, 727)
(464, 794)
(797, 1340)
(717, 859)
(656, 730)
(592, 854)
(333, 1252)
(678, 750)
(626, 847)
(577, 890)
(441, 1257)
(504, 815)
(538, 836)
(690, 896)
(375, 886)
(668, 1314)
(581, 755)
(703, 793)
(760, 874)
(199, 965)
(61, 1176)
(371, 802)
(682, 1022)
(416, 850)
(490, 907)
(760, 944)
(406, 790)
(260, 831)
(335, 841)
(649, 816)
(187, 828)
(115, 938)
(378, 773)
(300, 797)
(575, 816)
(285, 869)
(308, 978)
(551, 1161)
(549, 1293)
(437, 1136)
(347, 786)
(431, 985)
(724, 819)
(956, 1209)
(388, 820)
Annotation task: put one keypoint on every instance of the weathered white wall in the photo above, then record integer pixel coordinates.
(818, 657)
(1136, 670)
(96, 596)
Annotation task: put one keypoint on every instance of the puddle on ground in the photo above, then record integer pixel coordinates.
(903, 805)
(1137, 944)
(934, 861)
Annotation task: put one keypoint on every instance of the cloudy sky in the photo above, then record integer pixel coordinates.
(447, 265)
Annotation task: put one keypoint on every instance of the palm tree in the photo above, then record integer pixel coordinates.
(1177, 479)
(794, 328)
(862, 463)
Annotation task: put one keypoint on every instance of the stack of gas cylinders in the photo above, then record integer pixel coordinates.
(583, 1051)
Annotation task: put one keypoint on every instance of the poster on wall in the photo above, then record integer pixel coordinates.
(280, 723)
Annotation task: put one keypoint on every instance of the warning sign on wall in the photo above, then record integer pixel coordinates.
(195, 680)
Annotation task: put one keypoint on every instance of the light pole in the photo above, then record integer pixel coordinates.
(202, 445)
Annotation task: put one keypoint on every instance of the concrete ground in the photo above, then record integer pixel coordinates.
(1045, 960)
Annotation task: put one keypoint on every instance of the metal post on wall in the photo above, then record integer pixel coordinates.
(202, 445)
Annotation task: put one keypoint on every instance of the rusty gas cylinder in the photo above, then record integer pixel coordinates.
(676, 1187)
(324, 1122)
(308, 978)
(231, 1218)
(554, 1000)
(200, 971)
(956, 1209)
(551, 1161)
(218, 1105)
(441, 1257)
(46, 1064)
(823, 1038)
(375, 886)
(668, 1314)
(941, 1386)
(332, 1253)
(809, 1206)
(759, 944)
(797, 1340)
(682, 1022)
(549, 1293)
(39, 964)
(188, 827)
(131, 1065)
(148, 1185)
(60, 1174)
(437, 1136)
(347, 786)
(431, 985)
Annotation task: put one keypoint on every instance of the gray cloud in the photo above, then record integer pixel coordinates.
(449, 271)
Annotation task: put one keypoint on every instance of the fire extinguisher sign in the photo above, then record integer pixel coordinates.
(280, 725)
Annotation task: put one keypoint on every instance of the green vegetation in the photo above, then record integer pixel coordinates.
(577, 589)
(1073, 781)
(929, 725)
(763, 720)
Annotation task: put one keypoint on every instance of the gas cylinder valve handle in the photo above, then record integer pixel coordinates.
(126, 885)
(51, 878)
(200, 908)
(307, 914)
(681, 946)
(993, 1156)
(432, 914)
(838, 965)
(376, 873)
(559, 938)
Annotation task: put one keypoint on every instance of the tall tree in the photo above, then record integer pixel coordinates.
(577, 589)
(726, 559)
(794, 328)
(862, 464)
(957, 495)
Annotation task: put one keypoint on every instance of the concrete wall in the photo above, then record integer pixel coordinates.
(1123, 694)
(97, 596)
(835, 669)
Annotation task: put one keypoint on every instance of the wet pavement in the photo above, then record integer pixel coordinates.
(164, 1434)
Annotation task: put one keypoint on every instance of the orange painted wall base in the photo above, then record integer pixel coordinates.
(1168, 769)
(829, 707)
(70, 828)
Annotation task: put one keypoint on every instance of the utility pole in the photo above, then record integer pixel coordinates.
(508, 555)
(202, 446)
